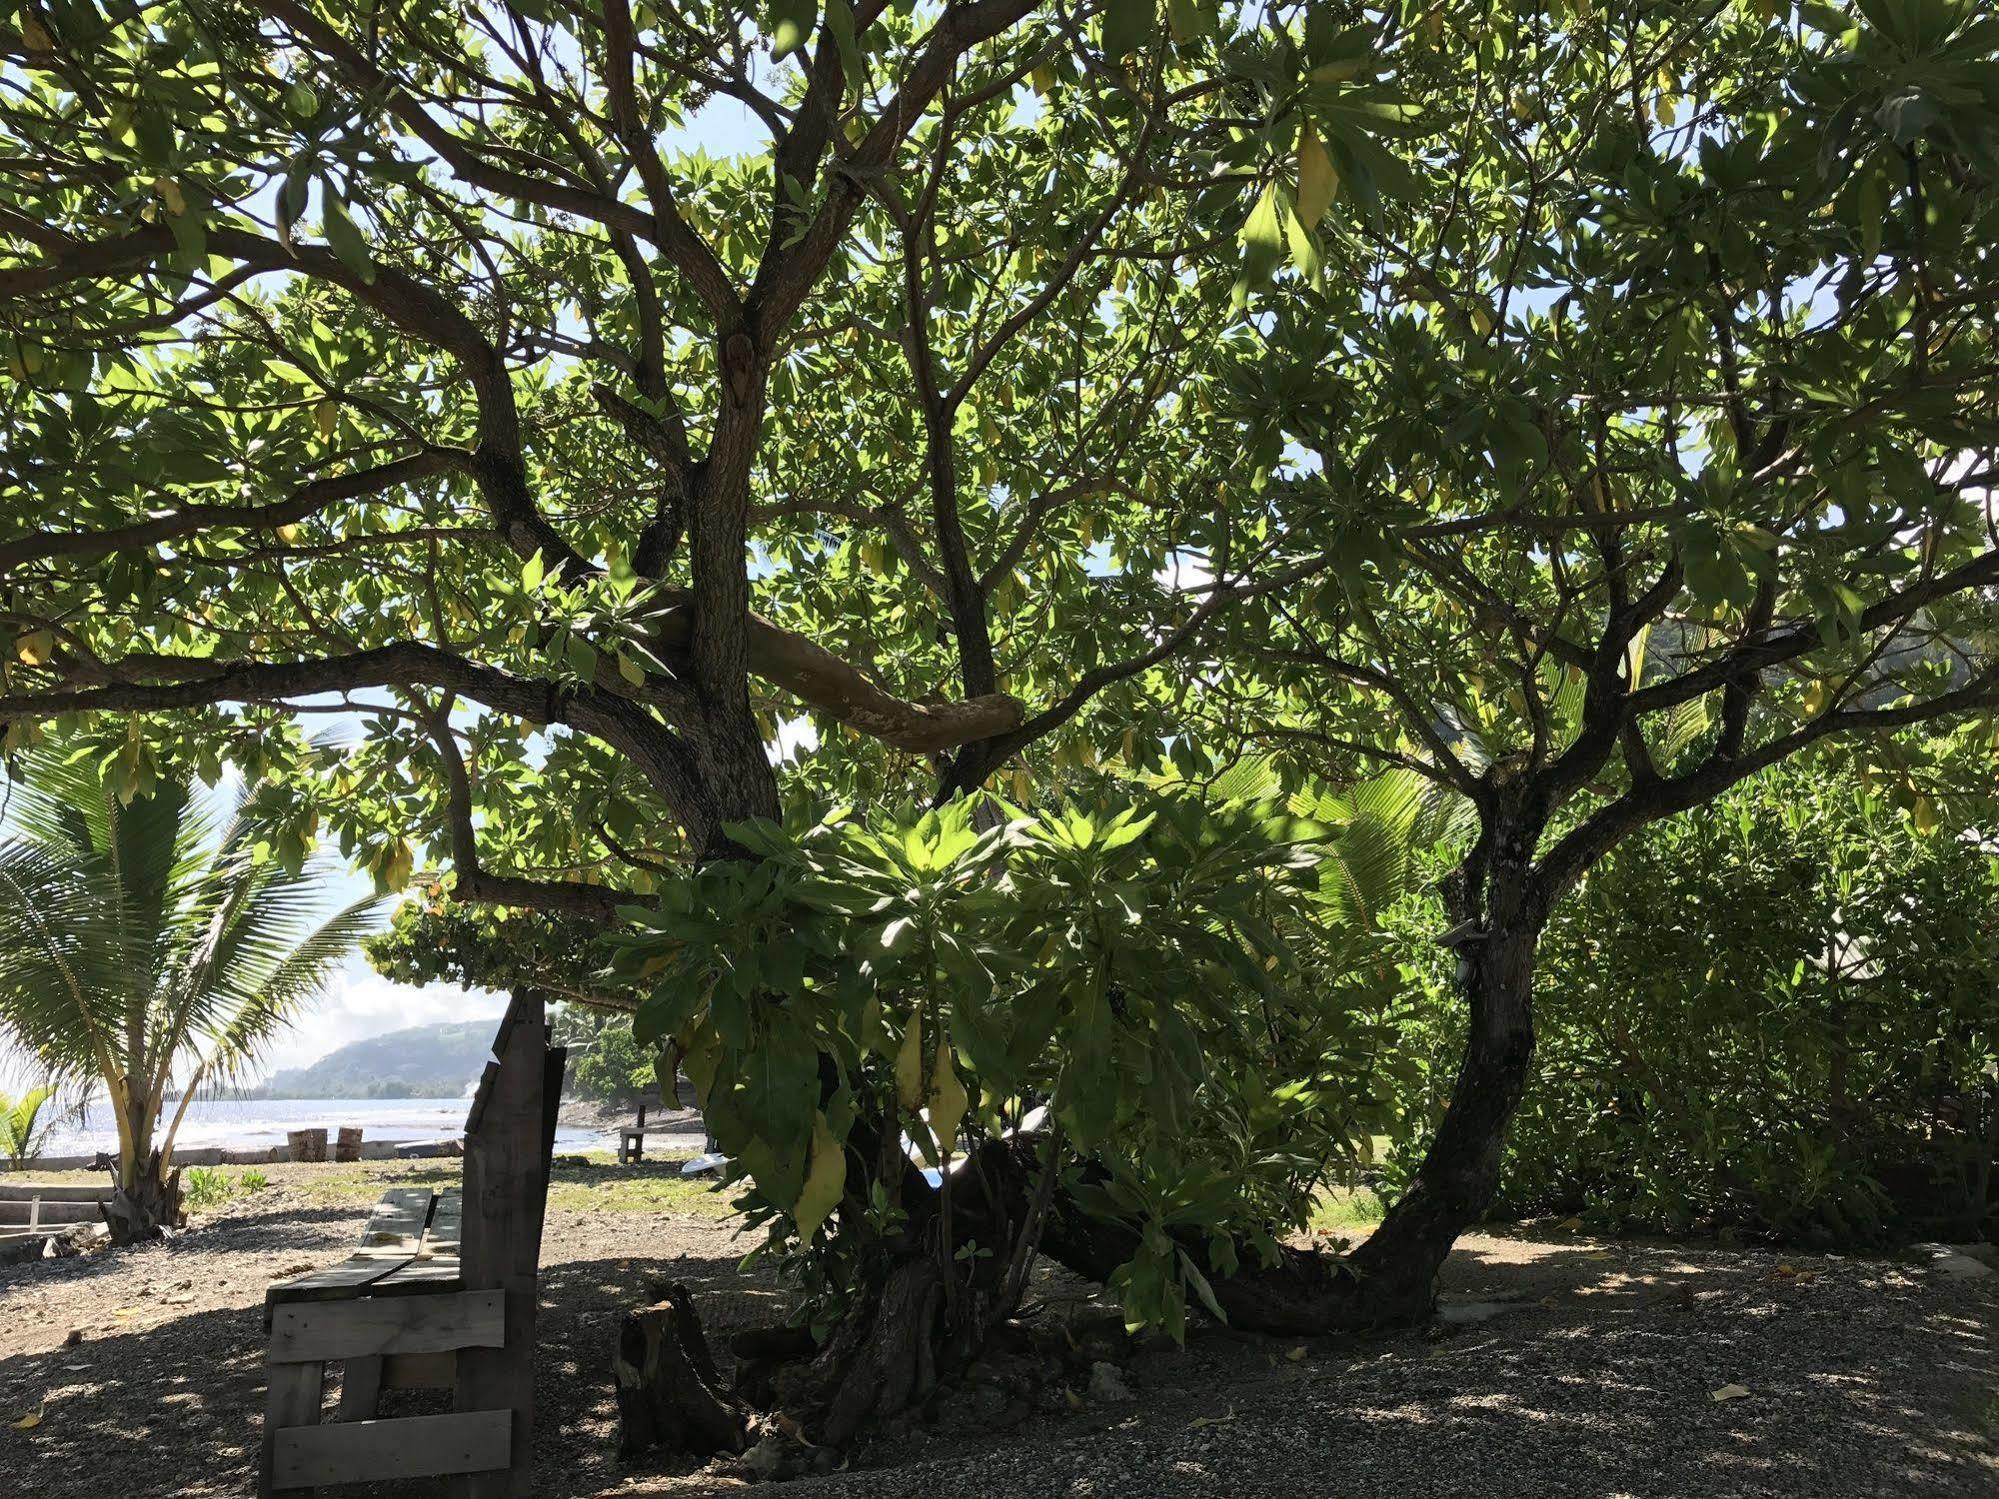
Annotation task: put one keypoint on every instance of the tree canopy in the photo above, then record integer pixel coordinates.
(663, 426)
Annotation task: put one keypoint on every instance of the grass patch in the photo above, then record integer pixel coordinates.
(638, 1189)
(1347, 1210)
(653, 1187)
(204, 1187)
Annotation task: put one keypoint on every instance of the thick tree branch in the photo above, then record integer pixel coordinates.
(307, 499)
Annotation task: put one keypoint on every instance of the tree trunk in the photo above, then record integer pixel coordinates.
(147, 1205)
(1390, 1280)
(669, 1394)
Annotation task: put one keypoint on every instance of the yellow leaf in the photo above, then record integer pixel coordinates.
(1926, 818)
(1336, 72)
(29, 1422)
(170, 193)
(35, 37)
(35, 647)
(947, 1098)
(1729, 1392)
(1295, 1354)
(909, 1066)
(825, 1179)
(397, 867)
(703, 1055)
(1318, 178)
(327, 416)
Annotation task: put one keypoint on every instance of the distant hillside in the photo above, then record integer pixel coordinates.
(425, 1061)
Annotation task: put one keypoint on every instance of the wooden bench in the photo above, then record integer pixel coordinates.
(433, 1298)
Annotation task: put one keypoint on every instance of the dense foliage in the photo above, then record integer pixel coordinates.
(1576, 408)
(912, 973)
(1779, 1015)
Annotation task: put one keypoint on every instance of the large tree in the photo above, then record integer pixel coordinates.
(1656, 435)
(392, 356)
(389, 356)
(416, 363)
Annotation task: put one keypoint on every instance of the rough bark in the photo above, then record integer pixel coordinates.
(148, 1207)
(669, 1394)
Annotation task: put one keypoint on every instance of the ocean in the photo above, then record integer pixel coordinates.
(254, 1123)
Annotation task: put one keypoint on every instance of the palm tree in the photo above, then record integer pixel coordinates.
(23, 1125)
(147, 944)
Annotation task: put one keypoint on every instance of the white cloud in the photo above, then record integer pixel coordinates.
(360, 1003)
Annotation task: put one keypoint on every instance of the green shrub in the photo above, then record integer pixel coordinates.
(203, 1187)
(1779, 1014)
(24, 1124)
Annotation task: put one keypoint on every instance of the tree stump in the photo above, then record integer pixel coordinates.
(348, 1146)
(307, 1144)
(669, 1394)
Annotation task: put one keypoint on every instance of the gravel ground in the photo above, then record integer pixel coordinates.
(1573, 1368)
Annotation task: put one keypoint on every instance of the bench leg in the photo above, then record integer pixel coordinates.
(291, 1398)
(360, 1388)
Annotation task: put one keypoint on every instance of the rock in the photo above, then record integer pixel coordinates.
(769, 1459)
(1956, 1262)
(1461, 1313)
(1107, 1384)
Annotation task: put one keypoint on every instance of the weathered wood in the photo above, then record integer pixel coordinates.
(420, 1371)
(507, 1144)
(52, 1192)
(360, 1388)
(292, 1396)
(405, 1447)
(307, 1144)
(376, 1325)
(41, 1212)
(340, 1282)
(669, 1394)
(398, 1220)
(347, 1144)
(421, 1278)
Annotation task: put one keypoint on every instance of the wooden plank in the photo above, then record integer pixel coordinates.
(421, 1278)
(506, 1190)
(376, 1325)
(399, 1219)
(481, 1095)
(39, 1212)
(404, 1447)
(419, 1371)
(52, 1192)
(348, 1278)
(292, 1395)
(446, 1230)
(360, 1388)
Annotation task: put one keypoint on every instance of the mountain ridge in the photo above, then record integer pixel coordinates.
(440, 1060)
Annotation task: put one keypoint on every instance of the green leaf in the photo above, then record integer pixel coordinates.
(1128, 26)
(790, 25)
(344, 237)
